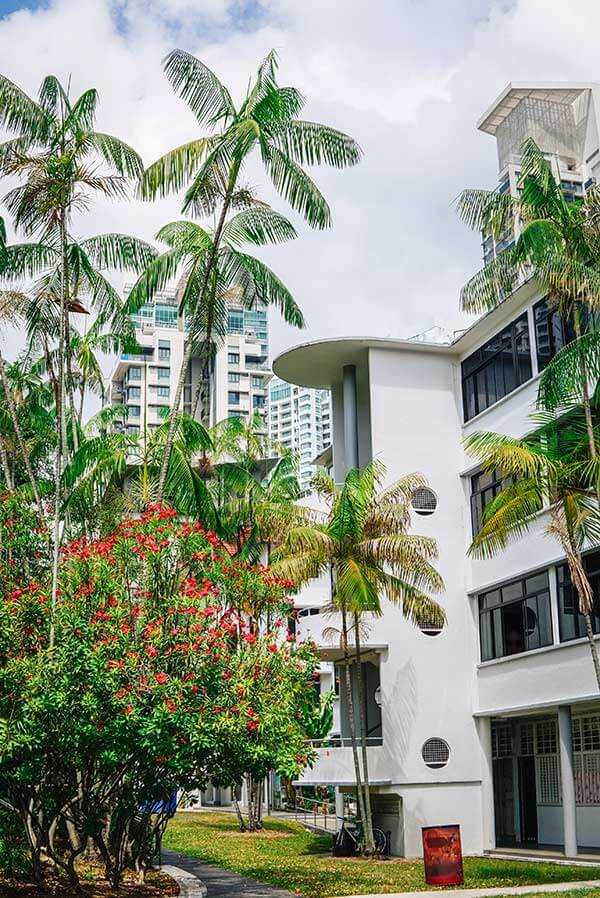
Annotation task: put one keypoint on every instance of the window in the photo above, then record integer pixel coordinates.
(435, 753)
(235, 321)
(163, 373)
(485, 486)
(163, 392)
(164, 349)
(233, 358)
(424, 501)
(234, 377)
(496, 368)
(256, 380)
(133, 411)
(571, 622)
(553, 330)
(515, 617)
(258, 402)
(135, 372)
(134, 393)
(233, 398)
(165, 316)
(133, 428)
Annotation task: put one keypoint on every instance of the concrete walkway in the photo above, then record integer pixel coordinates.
(223, 883)
(502, 890)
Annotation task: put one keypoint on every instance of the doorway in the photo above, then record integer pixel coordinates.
(528, 802)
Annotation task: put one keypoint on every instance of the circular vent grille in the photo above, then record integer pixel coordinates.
(431, 626)
(424, 500)
(435, 753)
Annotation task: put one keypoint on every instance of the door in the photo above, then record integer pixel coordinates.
(504, 801)
(528, 801)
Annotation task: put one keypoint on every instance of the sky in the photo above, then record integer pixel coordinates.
(408, 79)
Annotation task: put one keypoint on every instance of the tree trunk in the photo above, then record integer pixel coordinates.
(238, 811)
(60, 416)
(368, 822)
(351, 718)
(593, 646)
(12, 409)
(10, 484)
(207, 338)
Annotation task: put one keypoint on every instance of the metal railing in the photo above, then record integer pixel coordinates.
(343, 742)
(315, 813)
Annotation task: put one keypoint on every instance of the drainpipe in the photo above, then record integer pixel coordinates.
(350, 417)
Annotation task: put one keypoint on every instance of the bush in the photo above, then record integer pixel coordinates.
(158, 680)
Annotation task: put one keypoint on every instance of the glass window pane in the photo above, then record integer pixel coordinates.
(513, 628)
(532, 630)
(485, 629)
(512, 591)
(537, 583)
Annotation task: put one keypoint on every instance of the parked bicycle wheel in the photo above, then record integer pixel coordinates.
(380, 840)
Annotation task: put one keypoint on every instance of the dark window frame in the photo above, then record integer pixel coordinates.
(505, 357)
(591, 562)
(492, 603)
(495, 485)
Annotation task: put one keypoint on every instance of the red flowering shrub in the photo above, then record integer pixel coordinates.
(158, 680)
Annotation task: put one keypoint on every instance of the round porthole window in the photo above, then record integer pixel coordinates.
(436, 753)
(424, 500)
(431, 626)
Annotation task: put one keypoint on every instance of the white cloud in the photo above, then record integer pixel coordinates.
(408, 79)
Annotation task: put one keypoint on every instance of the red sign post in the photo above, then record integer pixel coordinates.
(442, 854)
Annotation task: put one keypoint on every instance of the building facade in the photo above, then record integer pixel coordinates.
(146, 383)
(300, 420)
(493, 721)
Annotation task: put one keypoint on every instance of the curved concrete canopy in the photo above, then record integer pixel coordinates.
(319, 364)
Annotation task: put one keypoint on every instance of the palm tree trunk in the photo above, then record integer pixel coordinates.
(207, 338)
(593, 647)
(368, 822)
(10, 484)
(60, 416)
(351, 718)
(10, 400)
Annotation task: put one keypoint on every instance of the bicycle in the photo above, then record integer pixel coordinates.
(356, 834)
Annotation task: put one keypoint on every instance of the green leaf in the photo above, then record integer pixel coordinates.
(297, 188)
(119, 252)
(173, 170)
(18, 112)
(195, 83)
(117, 153)
(310, 143)
(260, 226)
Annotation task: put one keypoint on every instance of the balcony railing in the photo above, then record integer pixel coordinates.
(343, 741)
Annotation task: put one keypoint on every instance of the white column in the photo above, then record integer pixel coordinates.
(350, 417)
(487, 784)
(567, 775)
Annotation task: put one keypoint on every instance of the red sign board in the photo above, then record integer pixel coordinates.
(442, 854)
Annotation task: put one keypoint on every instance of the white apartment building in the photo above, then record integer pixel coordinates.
(300, 420)
(492, 722)
(146, 383)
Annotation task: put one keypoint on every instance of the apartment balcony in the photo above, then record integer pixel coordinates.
(334, 764)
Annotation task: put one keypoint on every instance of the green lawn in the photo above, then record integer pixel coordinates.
(288, 856)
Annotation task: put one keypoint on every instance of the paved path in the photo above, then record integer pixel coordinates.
(223, 883)
(502, 890)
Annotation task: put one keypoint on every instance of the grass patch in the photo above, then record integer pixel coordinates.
(287, 856)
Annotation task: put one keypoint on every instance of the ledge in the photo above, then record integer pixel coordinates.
(189, 885)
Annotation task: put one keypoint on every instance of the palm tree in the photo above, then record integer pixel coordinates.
(119, 470)
(56, 153)
(548, 469)
(558, 244)
(191, 252)
(366, 545)
(214, 164)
